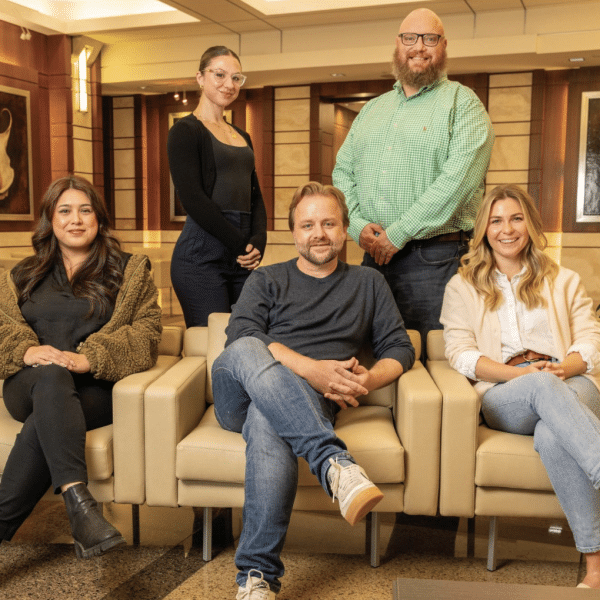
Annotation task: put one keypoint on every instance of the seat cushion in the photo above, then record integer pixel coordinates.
(507, 460)
(210, 453)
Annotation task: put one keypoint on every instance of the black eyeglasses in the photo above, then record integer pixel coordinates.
(429, 39)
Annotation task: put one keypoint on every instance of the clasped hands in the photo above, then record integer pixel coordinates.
(251, 259)
(374, 240)
(546, 366)
(342, 381)
(47, 355)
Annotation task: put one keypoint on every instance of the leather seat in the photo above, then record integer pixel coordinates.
(192, 461)
(483, 471)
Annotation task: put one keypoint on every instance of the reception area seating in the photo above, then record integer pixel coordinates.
(484, 472)
(192, 461)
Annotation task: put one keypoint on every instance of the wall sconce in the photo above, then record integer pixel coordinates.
(176, 96)
(25, 34)
(82, 79)
(184, 101)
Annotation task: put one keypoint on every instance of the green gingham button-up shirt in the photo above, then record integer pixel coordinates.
(416, 165)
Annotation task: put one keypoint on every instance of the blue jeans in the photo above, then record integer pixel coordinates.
(281, 418)
(563, 418)
(417, 276)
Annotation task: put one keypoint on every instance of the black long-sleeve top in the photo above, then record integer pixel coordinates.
(193, 169)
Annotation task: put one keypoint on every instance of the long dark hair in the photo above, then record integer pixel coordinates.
(99, 277)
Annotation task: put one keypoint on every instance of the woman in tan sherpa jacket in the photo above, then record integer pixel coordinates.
(75, 317)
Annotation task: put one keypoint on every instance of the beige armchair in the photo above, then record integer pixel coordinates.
(192, 461)
(115, 453)
(483, 471)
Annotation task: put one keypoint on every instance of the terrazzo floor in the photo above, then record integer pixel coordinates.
(324, 557)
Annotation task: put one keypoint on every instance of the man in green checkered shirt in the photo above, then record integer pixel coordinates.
(412, 169)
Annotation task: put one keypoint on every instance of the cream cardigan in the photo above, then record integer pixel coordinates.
(469, 325)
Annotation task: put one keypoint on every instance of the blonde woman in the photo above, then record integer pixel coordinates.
(523, 329)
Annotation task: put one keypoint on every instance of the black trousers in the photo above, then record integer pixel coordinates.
(56, 408)
(204, 273)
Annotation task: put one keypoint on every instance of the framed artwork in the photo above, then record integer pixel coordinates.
(16, 188)
(177, 212)
(588, 180)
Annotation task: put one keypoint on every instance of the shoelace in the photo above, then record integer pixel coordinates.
(259, 589)
(353, 478)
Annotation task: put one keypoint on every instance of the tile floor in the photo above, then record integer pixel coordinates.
(324, 557)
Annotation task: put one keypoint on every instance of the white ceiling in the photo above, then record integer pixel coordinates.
(286, 42)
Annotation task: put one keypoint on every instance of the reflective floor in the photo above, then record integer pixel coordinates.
(324, 557)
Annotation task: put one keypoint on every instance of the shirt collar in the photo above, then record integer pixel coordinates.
(424, 89)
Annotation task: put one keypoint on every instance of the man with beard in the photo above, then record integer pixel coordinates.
(412, 169)
(289, 364)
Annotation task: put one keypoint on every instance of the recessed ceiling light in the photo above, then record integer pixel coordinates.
(338, 74)
(578, 59)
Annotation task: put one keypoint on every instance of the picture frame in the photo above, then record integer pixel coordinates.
(177, 212)
(16, 179)
(588, 177)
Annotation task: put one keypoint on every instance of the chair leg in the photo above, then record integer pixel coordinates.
(375, 526)
(135, 524)
(207, 535)
(493, 534)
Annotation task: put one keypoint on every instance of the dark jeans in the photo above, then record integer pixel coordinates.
(204, 273)
(56, 408)
(418, 275)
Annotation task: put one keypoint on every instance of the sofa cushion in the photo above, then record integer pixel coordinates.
(210, 453)
(507, 460)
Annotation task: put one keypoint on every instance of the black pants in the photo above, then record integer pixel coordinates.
(204, 273)
(56, 408)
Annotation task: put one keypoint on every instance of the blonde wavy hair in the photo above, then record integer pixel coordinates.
(478, 265)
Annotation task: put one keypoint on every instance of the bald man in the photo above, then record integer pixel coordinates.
(412, 169)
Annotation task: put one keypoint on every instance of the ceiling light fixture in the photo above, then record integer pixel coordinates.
(577, 59)
(184, 101)
(176, 96)
(25, 34)
(338, 74)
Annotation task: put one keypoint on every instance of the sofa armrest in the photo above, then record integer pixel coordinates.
(418, 420)
(460, 419)
(174, 405)
(128, 432)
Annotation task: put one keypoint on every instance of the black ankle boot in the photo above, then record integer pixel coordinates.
(92, 533)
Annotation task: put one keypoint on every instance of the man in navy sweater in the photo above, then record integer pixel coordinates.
(289, 364)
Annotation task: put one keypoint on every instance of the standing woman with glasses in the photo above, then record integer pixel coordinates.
(213, 170)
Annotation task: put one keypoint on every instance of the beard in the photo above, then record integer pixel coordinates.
(312, 258)
(429, 75)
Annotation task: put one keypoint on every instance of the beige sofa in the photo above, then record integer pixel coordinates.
(483, 471)
(192, 461)
(115, 453)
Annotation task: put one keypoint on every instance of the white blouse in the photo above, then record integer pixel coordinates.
(522, 329)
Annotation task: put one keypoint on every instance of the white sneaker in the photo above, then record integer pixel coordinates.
(356, 493)
(256, 588)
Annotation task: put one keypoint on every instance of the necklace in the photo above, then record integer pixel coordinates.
(228, 128)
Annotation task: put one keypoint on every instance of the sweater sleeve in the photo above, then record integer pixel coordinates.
(184, 148)
(389, 338)
(258, 238)
(15, 334)
(128, 343)
(250, 314)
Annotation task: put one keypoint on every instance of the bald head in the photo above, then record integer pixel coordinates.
(422, 20)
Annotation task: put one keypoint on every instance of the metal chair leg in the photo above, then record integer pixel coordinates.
(207, 535)
(375, 527)
(135, 524)
(493, 535)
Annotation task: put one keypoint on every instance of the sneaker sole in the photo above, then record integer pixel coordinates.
(364, 502)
